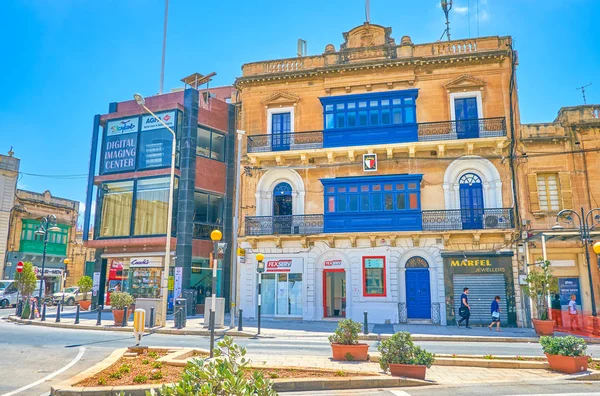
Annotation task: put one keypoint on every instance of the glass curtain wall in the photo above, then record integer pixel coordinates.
(151, 206)
(117, 200)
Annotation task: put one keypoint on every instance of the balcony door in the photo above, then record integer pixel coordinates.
(466, 116)
(281, 131)
(471, 201)
(282, 209)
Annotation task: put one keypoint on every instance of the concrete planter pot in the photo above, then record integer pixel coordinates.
(567, 364)
(408, 370)
(543, 327)
(359, 352)
(85, 304)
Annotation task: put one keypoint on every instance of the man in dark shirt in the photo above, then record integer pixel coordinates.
(465, 310)
(557, 311)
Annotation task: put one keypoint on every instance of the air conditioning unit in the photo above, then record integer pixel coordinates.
(491, 221)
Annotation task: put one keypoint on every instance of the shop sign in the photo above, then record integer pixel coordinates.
(178, 278)
(369, 162)
(373, 263)
(146, 262)
(293, 265)
(119, 153)
(171, 283)
(563, 263)
(150, 122)
(122, 127)
(477, 262)
(567, 287)
(49, 271)
(96, 283)
(334, 263)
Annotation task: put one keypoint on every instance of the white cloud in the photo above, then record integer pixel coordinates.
(461, 10)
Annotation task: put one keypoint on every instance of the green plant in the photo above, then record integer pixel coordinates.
(340, 373)
(125, 368)
(563, 346)
(116, 375)
(539, 284)
(145, 361)
(85, 285)
(120, 300)
(140, 379)
(273, 375)
(488, 357)
(101, 381)
(153, 354)
(400, 349)
(26, 280)
(349, 357)
(346, 333)
(520, 357)
(157, 365)
(156, 375)
(228, 374)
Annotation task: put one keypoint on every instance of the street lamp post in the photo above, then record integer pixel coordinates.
(47, 224)
(585, 220)
(236, 213)
(215, 236)
(165, 279)
(260, 268)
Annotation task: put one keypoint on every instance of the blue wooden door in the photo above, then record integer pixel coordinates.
(282, 209)
(465, 114)
(418, 293)
(471, 202)
(281, 131)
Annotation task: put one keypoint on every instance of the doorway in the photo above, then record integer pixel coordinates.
(471, 201)
(281, 131)
(334, 293)
(466, 117)
(418, 290)
(282, 209)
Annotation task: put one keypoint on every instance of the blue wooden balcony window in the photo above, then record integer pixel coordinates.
(373, 118)
(372, 203)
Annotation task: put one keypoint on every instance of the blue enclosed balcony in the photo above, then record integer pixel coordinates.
(425, 132)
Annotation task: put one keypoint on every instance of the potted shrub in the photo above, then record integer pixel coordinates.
(402, 358)
(85, 285)
(565, 354)
(540, 283)
(118, 302)
(344, 342)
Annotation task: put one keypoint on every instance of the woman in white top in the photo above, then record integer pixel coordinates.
(573, 314)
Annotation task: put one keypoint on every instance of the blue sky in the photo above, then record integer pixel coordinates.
(65, 60)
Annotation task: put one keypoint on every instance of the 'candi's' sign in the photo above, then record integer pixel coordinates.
(471, 263)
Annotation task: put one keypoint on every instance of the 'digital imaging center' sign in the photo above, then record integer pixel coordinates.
(120, 145)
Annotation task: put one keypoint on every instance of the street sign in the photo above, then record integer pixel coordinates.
(20, 267)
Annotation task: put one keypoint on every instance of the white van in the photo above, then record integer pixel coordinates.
(8, 293)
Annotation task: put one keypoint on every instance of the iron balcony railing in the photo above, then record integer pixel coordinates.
(427, 132)
(284, 225)
(467, 219)
(432, 220)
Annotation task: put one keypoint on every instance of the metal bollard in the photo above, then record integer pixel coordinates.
(178, 319)
(366, 325)
(58, 312)
(151, 320)
(99, 319)
(240, 327)
(43, 319)
(77, 314)
(124, 324)
(32, 313)
(19, 308)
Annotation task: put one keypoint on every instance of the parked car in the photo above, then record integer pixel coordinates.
(8, 294)
(71, 295)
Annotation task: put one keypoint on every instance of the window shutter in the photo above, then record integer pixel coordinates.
(566, 191)
(534, 202)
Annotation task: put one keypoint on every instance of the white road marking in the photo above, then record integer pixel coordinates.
(54, 374)
(398, 392)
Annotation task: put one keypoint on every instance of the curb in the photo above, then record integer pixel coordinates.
(247, 334)
(478, 361)
(587, 376)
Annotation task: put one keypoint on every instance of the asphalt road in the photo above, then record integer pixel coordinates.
(30, 353)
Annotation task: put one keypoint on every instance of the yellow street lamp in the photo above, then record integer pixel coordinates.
(260, 268)
(215, 236)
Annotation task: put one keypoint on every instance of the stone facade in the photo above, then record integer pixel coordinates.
(370, 62)
(9, 170)
(557, 164)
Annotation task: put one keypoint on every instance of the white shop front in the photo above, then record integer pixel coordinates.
(282, 285)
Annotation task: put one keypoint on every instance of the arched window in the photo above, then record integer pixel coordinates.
(417, 262)
(470, 179)
(282, 188)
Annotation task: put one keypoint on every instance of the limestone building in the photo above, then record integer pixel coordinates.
(376, 178)
(9, 170)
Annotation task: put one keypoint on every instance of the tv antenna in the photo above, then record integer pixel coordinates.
(582, 89)
(368, 11)
(446, 6)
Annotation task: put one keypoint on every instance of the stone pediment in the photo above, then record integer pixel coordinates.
(465, 82)
(280, 98)
(366, 35)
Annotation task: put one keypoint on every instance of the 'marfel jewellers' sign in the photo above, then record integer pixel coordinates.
(120, 145)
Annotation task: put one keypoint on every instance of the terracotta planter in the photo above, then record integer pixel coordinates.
(567, 364)
(118, 316)
(358, 351)
(408, 370)
(85, 304)
(543, 327)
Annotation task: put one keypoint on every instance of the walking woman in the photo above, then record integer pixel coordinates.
(495, 314)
